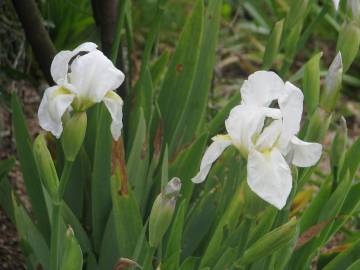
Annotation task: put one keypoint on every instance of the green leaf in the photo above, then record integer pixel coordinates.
(31, 177)
(100, 182)
(173, 248)
(193, 115)
(180, 75)
(6, 165)
(348, 43)
(273, 44)
(311, 82)
(189, 263)
(6, 199)
(157, 69)
(269, 243)
(72, 258)
(345, 259)
(30, 235)
(127, 218)
(138, 159)
(217, 123)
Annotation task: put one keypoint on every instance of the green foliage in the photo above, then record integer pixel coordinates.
(106, 200)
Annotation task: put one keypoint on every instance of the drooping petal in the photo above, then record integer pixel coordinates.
(55, 102)
(114, 104)
(291, 106)
(269, 136)
(261, 88)
(220, 143)
(269, 176)
(245, 122)
(305, 154)
(60, 64)
(93, 75)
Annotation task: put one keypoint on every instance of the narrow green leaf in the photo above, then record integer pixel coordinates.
(31, 178)
(345, 259)
(100, 182)
(193, 114)
(273, 44)
(311, 82)
(269, 243)
(30, 235)
(179, 77)
(138, 159)
(6, 165)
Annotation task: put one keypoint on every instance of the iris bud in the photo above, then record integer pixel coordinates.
(332, 84)
(73, 135)
(45, 166)
(163, 211)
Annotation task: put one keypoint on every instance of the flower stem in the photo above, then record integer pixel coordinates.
(64, 179)
(54, 256)
(56, 217)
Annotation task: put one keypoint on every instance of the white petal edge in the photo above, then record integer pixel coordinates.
(291, 106)
(261, 88)
(220, 143)
(53, 105)
(269, 176)
(114, 104)
(59, 65)
(305, 154)
(336, 4)
(93, 75)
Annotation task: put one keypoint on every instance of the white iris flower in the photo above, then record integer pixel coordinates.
(83, 77)
(268, 147)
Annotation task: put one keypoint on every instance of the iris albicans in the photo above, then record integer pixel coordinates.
(266, 137)
(83, 77)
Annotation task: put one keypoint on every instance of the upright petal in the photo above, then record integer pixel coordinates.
(221, 142)
(261, 88)
(336, 4)
(305, 154)
(93, 75)
(291, 106)
(55, 102)
(269, 176)
(245, 122)
(114, 104)
(269, 136)
(60, 64)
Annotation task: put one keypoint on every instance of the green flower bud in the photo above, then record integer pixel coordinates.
(348, 43)
(73, 135)
(163, 211)
(332, 84)
(45, 166)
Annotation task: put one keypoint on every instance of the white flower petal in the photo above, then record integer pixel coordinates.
(261, 88)
(93, 75)
(336, 4)
(221, 142)
(269, 176)
(55, 102)
(114, 104)
(269, 136)
(291, 106)
(245, 122)
(60, 64)
(305, 154)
